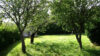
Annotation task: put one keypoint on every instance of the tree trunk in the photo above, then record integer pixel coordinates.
(32, 38)
(78, 37)
(23, 43)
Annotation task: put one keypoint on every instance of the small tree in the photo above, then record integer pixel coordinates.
(40, 19)
(20, 12)
(39, 24)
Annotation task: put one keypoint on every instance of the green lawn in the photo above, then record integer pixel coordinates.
(54, 45)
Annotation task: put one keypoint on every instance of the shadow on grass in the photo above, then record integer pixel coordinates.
(28, 54)
(7, 50)
(71, 49)
(55, 49)
(93, 52)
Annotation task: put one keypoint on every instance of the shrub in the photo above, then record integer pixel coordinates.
(94, 34)
(8, 36)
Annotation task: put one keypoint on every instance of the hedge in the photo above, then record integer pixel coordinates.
(8, 37)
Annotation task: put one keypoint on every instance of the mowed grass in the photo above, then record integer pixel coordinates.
(54, 45)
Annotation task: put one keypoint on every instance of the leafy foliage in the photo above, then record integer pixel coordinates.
(40, 19)
(73, 14)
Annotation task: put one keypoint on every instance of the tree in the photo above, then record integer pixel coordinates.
(40, 19)
(39, 24)
(73, 15)
(20, 12)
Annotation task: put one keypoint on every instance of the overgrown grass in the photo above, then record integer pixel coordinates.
(55, 45)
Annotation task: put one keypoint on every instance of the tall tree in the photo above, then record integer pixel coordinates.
(20, 12)
(73, 15)
(39, 24)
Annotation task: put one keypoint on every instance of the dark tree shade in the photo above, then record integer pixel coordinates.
(94, 34)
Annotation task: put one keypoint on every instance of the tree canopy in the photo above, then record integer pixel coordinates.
(74, 14)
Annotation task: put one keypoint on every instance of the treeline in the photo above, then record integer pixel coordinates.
(53, 28)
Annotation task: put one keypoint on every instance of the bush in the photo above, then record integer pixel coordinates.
(94, 34)
(8, 37)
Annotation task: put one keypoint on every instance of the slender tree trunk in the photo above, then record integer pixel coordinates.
(23, 43)
(80, 41)
(32, 38)
(78, 37)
